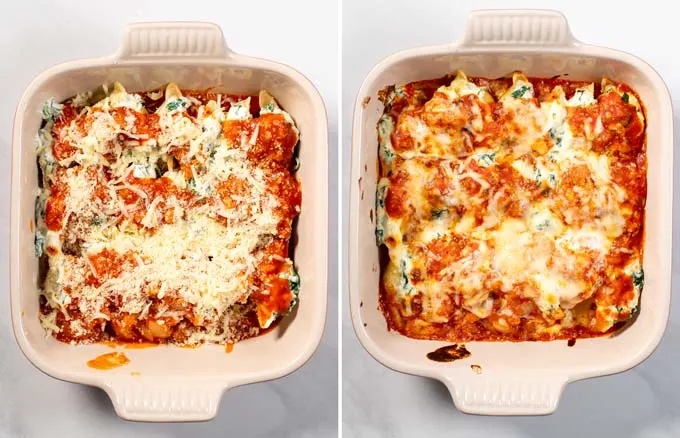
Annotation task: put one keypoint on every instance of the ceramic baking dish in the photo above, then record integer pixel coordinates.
(169, 383)
(516, 378)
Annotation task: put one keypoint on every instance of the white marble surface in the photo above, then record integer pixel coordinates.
(38, 34)
(644, 402)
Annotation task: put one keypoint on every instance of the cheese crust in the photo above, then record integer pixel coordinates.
(510, 209)
(166, 216)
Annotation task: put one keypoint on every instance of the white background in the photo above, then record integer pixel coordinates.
(644, 402)
(35, 35)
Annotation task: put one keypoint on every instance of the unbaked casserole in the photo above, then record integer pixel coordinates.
(166, 216)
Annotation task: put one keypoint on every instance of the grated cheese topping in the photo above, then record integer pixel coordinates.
(157, 220)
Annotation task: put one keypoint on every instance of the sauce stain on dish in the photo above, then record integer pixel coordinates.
(137, 345)
(229, 347)
(108, 361)
(129, 345)
(449, 353)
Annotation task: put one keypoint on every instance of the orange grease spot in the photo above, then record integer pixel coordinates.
(137, 345)
(108, 361)
(129, 345)
(229, 347)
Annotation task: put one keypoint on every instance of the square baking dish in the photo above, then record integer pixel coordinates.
(168, 383)
(507, 378)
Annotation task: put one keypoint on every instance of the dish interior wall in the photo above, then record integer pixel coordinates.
(587, 357)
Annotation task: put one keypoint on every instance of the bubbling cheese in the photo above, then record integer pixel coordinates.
(505, 194)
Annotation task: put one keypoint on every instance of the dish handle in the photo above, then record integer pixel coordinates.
(138, 399)
(531, 394)
(147, 41)
(504, 28)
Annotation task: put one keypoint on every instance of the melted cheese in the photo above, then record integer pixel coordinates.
(563, 224)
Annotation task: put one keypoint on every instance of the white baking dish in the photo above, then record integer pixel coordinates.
(169, 383)
(516, 378)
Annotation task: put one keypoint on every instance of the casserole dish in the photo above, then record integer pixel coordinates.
(167, 383)
(525, 378)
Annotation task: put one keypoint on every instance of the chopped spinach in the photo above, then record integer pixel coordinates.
(625, 97)
(555, 137)
(294, 285)
(438, 213)
(405, 282)
(380, 197)
(485, 159)
(552, 180)
(52, 110)
(380, 215)
(40, 205)
(520, 91)
(238, 112)
(192, 184)
(44, 138)
(537, 175)
(638, 279)
(176, 104)
(379, 235)
(39, 244)
(385, 128)
(213, 152)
